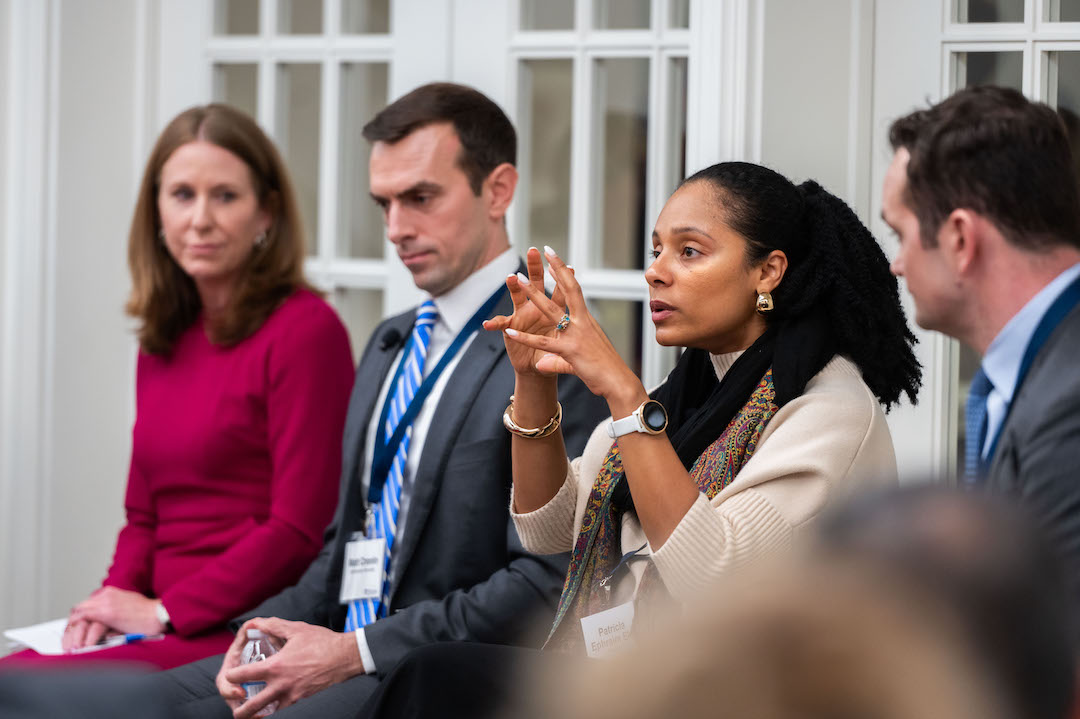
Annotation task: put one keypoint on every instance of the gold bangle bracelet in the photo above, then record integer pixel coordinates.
(537, 433)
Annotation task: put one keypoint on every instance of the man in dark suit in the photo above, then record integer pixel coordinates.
(442, 170)
(983, 196)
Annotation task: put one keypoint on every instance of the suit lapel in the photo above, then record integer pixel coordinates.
(461, 391)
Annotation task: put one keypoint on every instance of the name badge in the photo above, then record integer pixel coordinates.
(364, 571)
(608, 632)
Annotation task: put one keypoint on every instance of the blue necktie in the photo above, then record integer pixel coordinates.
(384, 514)
(975, 426)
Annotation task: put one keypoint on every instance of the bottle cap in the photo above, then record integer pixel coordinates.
(255, 634)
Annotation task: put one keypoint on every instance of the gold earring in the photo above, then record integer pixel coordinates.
(764, 303)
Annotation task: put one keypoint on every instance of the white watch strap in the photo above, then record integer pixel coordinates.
(626, 425)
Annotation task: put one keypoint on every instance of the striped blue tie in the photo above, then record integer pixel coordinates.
(365, 611)
(975, 425)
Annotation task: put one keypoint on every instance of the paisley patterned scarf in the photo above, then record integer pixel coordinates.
(597, 552)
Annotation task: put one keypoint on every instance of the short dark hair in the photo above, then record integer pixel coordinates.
(487, 136)
(991, 150)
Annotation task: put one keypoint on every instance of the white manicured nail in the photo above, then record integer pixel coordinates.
(549, 252)
(512, 333)
(523, 279)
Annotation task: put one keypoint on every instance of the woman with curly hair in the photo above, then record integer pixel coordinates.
(795, 340)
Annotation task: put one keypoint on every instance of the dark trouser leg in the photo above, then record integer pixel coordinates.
(191, 692)
(451, 680)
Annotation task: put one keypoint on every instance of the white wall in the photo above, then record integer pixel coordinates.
(94, 350)
(67, 355)
(5, 102)
(815, 93)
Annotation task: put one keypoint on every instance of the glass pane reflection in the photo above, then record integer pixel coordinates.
(237, 85)
(1005, 68)
(621, 322)
(618, 202)
(360, 17)
(298, 123)
(360, 310)
(236, 17)
(300, 17)
(621, 14)
(547, 14)
(989, 11)
(363, 93)
(547, 88)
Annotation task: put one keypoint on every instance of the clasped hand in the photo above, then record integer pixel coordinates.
(311, 659)
(536, 345)
(110, 610)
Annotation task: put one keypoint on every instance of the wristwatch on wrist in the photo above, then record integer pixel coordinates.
(649, 418)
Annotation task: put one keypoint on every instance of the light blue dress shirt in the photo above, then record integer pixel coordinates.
(1001, 363)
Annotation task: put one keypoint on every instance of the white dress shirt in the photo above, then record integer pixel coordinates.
(455, 308)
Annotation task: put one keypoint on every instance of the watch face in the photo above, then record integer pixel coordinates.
(654, 416)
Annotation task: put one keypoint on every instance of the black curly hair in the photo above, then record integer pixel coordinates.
(837, 296)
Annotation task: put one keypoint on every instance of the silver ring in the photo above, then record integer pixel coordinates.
(563, 323)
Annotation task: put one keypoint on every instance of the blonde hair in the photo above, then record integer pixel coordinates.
(163, 296)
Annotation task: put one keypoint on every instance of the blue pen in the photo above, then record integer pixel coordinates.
(118, 641)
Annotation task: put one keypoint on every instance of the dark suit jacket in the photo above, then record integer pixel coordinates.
(461, 572)
(1037, 460)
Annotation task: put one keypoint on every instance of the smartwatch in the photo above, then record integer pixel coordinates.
(649, 418)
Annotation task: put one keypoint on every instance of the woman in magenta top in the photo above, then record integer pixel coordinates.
(244, 376)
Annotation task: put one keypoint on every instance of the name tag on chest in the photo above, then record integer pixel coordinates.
(608, 632)
(364, 571)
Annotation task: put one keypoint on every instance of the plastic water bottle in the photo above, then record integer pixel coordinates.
(259, 646)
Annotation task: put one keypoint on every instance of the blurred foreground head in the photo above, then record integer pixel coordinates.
(989, 563)
(807, 637)
(918, 602)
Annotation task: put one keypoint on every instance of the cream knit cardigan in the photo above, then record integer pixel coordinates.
(818, 448)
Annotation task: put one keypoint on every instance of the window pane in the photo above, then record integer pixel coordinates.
(299, 87)
(989, 10)
(680, 14)
(547, 14)
(236, 17)
(621, 14)
(1067, 98)
(621, 321)
(360, 310)
(1064, 10)
(676, 141)
(237, 85)
(365, 16)
(990, 68)
(363, 93)
(547, 96)
(300, 17)
(622, 99)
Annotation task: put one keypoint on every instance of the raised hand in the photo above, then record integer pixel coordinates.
(527, 316)
(580, 347)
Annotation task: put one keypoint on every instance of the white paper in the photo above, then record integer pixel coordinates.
(608, 632)
(44, 638)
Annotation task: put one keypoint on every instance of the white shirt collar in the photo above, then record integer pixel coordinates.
(458, 305)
